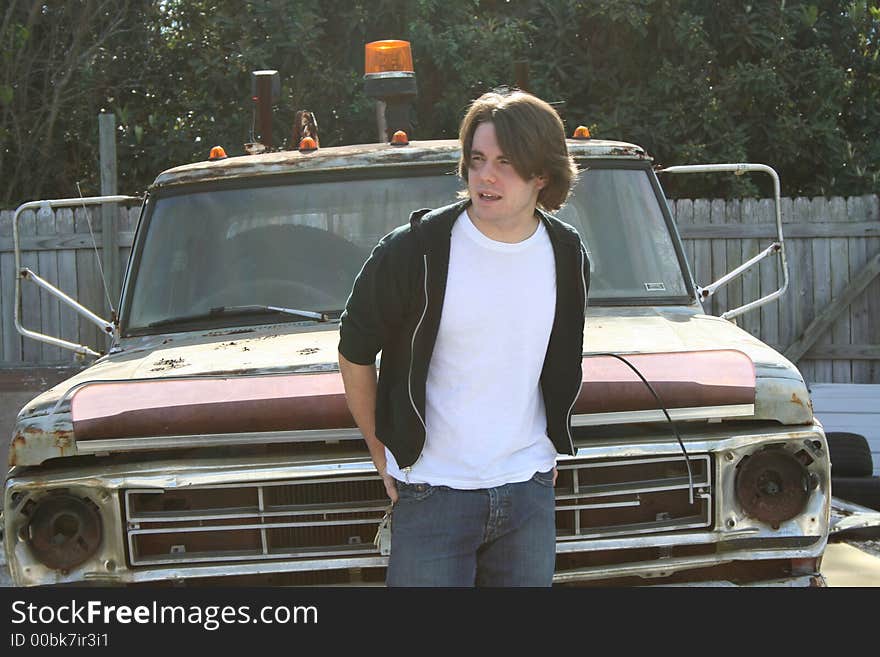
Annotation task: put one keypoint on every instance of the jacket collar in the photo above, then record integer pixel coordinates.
(434, 227)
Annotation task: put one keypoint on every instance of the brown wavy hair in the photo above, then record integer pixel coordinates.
(530, 133)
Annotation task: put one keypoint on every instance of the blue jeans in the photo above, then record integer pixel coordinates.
(502, 536)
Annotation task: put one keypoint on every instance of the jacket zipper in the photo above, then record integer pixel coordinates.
(578, 393)
(412, 355)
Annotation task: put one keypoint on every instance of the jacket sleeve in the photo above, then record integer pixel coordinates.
(586, 274)
(377, 303)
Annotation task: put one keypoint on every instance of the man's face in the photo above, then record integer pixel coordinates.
(496, 189)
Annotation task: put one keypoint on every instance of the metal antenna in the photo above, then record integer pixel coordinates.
(97, 255)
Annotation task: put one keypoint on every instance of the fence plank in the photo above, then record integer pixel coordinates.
(69, 319)
(703, 250)
(769, 277)
(30, 293)
(54, 242)
(751, 282)
(3, 310)
(802, 282)
(859, 319)
(871, 204)
(821, 253)
(11, 339)
(840, 331)
(48, 269)
(846, 352)
(788, 303)
(88, 278)
(767, 230)
(733, 249)
(718, 215)
(684, 216)
(126, 235)
(109, 212)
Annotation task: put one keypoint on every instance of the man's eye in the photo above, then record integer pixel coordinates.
(503, 161)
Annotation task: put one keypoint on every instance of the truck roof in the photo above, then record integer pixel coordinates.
(416, 153)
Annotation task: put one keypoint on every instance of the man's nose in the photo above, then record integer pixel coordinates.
(488, 172)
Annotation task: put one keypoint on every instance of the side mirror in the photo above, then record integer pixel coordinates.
(26, 274)
(777, 246)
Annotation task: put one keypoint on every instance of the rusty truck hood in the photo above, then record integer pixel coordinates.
(285, 377)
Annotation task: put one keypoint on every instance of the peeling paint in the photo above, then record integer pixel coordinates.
(167, 364)
(214, 334)
(63, 440)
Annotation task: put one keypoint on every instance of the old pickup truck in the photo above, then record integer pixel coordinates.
(212, 442)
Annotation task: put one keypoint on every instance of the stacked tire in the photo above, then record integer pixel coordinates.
(852, 468)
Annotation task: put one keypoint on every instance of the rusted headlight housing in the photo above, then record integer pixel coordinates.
(64, 530)
(773, 486)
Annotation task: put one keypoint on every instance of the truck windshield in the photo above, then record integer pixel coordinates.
(302, 245)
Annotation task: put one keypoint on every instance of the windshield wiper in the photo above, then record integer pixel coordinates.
(241, 310)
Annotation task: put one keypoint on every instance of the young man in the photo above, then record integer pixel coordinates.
(478, 309)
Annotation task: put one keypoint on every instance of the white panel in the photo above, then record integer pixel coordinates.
(850, 407)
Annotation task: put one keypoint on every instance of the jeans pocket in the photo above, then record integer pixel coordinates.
(414, 492)
(544, 478)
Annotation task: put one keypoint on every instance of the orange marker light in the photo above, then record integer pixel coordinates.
(217, 153)
(581, 132)
(399, 138)
(388, 56)
(307, 144)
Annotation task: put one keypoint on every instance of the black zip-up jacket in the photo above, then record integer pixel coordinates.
(395, 308)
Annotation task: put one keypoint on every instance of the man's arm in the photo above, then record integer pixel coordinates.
(360, 393)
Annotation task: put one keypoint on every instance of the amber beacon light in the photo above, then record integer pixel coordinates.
(399, 138)
(388, 58)
(389, 78)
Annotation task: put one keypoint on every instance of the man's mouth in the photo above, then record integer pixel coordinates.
(488, 196)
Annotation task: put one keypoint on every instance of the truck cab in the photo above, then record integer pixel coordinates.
(212, 443)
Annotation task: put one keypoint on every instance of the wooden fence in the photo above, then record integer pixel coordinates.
(828, 322)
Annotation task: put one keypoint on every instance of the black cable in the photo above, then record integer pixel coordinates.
(674, 428)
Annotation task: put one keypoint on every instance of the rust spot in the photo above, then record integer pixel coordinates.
(796, 400)
(626, 150)
(167, 364)
(307, 351)
(63, 440)
(18, 442)
(235, 332)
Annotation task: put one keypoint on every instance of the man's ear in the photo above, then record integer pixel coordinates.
(543, 181)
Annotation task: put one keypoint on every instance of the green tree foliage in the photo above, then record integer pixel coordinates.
(790, 83)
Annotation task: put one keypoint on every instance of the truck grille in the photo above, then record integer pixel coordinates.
(626, 497)
(309, 518)
(335, 518)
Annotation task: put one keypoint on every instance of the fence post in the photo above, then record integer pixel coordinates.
(109, 212)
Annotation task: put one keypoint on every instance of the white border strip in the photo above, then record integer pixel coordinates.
(697, 413)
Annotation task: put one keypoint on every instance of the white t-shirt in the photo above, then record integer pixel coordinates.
(485, 418)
